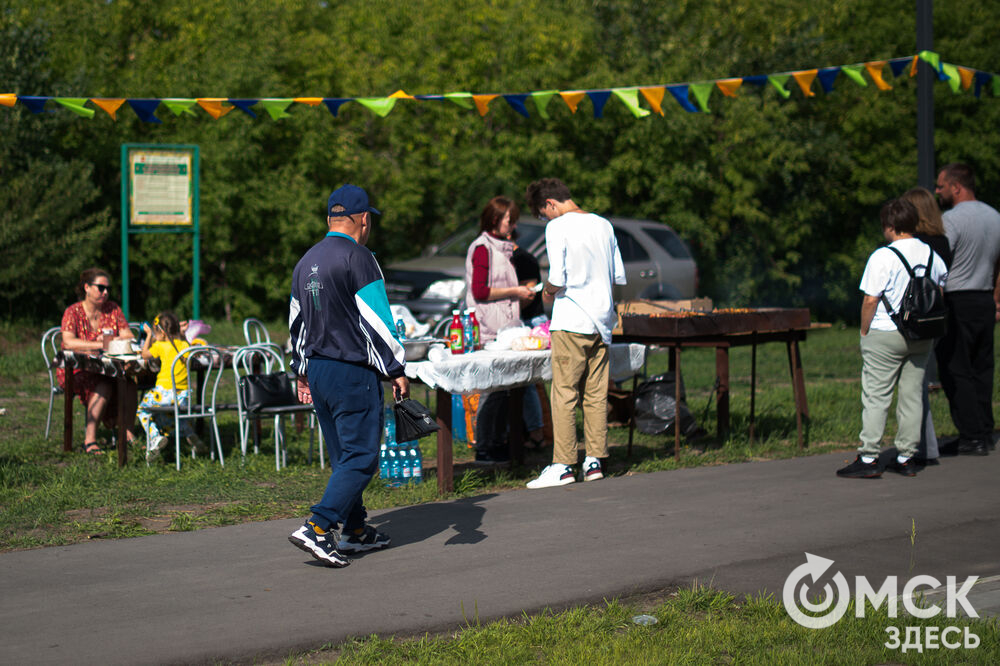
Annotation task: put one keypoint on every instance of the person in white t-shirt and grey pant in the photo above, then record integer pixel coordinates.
(888, 358)
(584, 264)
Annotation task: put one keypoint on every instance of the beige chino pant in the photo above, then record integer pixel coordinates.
(579, 363)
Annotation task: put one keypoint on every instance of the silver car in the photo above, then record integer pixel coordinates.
(657, 263)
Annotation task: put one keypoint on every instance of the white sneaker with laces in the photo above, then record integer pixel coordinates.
(554, 475)
(592, 469)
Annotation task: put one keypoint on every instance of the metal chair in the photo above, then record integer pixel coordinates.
(255, 332)
(267, 358)
(207, 363)
(51, 346)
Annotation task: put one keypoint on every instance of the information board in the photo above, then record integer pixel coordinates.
(161, 189)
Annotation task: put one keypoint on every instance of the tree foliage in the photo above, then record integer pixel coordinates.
(777, 197)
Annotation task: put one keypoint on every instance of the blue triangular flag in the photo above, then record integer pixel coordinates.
(144, 108)
(36, 104)
(982, 78)
(680, 93)
(756, 79)
(244, 105)
(899, 66)
(826, 77)
(599, 98)
(334, 103)
(517, 103)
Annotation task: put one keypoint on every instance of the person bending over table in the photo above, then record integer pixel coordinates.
(87, 326)
(493, 290)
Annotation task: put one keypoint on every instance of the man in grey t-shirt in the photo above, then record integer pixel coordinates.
(965, 353)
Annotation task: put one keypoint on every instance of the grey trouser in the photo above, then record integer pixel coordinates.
(888, 359)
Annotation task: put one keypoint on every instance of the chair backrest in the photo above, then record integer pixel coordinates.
(264, 358)
(203, 360)
(136, 328)
(51, 346)
(254, 331)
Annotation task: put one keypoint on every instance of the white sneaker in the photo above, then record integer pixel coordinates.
(155, 448)
(592, 469)
(555, 474)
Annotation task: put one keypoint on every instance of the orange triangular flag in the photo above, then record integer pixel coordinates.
(213, 105)
(913, 67)
(874, 70)
(572, 99)
(654, 95)
(8, 99)
(729, 86)
(311, 101)
(110, 106)
(483, 103)
(805, 79)
(400, 94)
(966, 74)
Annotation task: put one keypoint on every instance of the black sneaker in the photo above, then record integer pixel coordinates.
(859, 469)
(494, 457)
(973, 447)
(908, 468)
(323, 547)
(369, 539)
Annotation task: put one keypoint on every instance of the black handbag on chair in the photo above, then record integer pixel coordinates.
(413, 421)
(270, 390)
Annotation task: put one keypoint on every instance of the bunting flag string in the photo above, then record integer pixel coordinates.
(692, 97)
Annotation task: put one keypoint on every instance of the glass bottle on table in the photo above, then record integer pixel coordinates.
(476, 342)
(456, 333)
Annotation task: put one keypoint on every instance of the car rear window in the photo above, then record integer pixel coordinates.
(669, 241)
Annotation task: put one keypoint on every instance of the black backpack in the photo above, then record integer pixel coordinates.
(922, 312)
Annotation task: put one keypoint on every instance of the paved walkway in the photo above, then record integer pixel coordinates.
(235, 593)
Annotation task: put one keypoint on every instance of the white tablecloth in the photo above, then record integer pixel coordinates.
(493, 370)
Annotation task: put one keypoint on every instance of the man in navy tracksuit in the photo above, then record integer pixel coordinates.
(344, 345)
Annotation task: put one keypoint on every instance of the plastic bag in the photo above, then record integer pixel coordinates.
(656, 407)
(529, 343)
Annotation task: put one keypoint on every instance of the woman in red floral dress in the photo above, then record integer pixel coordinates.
(83, 325)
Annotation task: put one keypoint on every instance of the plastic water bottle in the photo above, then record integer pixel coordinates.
(395, 470)
(417, 463)
(401, 329)
(468, 335)
(383, 461)
(405, 464)
(390, 426)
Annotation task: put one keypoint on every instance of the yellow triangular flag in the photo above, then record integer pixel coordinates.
(399, 94)
(874, 70)
(483, 103)
(110, 106)
(729, 86)
(805, 79)
(966, 75)
(572, 99)
(213, 105)
(654, 95)
(311, 101)
(8, 99)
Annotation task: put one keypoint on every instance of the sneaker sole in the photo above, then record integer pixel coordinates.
(593, 476)
(860, 476)
(560, 482)
(318, 554)
(351, 549)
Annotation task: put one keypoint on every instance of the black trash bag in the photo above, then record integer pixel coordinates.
(655, 407)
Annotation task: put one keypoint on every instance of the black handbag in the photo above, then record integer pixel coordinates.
(413, 421)
(270, 390)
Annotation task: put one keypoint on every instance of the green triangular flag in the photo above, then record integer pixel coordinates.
(380, 106)
(76, 105)
(179, 106)
(630, 97)
(276, 107)
(541, 100)
(463, 99)
(854, 73)
(954, 78)
(996, 86)
(778, 81)
(702, 91)
(931, 58)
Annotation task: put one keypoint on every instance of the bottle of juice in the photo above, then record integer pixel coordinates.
(456, 338)
(477, 343)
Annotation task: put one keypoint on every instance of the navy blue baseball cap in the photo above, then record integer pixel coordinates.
(352, 198)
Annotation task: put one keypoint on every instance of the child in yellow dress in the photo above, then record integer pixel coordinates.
(164, 341)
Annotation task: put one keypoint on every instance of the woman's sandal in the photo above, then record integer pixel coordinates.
(93, 448)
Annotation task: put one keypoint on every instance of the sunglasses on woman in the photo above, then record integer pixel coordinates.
(100, 287)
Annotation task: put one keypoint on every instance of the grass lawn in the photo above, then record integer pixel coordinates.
(48, 497)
